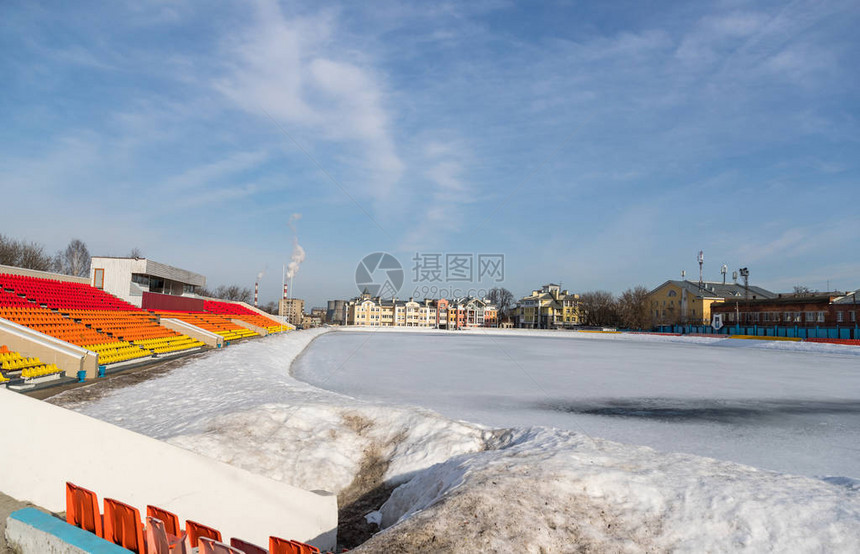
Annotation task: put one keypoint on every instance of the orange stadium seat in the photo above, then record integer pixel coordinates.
(82, 509)
(283, 546)
(194, 530)
(170, 520)
(122, 526)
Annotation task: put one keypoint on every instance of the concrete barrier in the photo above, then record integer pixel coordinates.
(206, 337)
(30, 531)
(49, 350)
(49, 445)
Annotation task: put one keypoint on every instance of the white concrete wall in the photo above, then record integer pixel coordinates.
(11, 270)
(118, 276)
(48, 446)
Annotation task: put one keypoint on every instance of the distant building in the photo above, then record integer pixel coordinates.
(820, 309)
(134, 278)
(683, 302)
(311, 320)
(336, 312)
(459, 313)
(319, 313)
(548, 308)
(293, 309)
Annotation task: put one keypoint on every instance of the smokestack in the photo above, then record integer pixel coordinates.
(285, 291)
(256, 292)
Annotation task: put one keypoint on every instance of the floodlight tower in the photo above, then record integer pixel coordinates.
(724, 270)
(745, 273)
(701, 260)
(683, 274)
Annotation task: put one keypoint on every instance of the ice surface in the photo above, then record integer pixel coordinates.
(467, 487)
(792, 407)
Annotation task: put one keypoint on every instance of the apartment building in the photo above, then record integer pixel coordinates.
(460, 313)
(549, 307)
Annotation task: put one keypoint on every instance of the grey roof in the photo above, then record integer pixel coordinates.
(849, 298)
(716, 289)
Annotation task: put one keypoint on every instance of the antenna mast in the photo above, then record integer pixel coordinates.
(701, 259)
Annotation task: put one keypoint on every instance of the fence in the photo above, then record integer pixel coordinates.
(796, 331)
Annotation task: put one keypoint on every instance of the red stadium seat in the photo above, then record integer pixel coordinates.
(247, 547)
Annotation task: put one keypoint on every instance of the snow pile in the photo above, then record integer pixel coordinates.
(325, 446)
(557, 491)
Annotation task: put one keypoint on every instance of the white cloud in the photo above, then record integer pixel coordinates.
(296, 71)
(203, 175)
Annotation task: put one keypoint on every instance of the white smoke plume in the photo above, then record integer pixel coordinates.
(298, 255)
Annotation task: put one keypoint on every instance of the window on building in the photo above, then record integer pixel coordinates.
(839, 317)
(821, 316)
(810, 317)
(853, 317)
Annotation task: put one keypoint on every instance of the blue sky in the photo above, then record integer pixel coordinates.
(601, 144)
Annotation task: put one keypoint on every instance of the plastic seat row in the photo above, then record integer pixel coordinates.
(63, 294)
(29, 367)
(213, 323)
(40, 371)
(243, 313)
(121, 524)
(165, 345)
(8, 298)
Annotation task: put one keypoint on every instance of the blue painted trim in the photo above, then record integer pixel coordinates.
(69, 534)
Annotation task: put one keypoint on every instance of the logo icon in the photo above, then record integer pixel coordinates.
(380, 274)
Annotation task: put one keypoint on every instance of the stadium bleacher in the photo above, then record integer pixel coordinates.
(116, 330)
(87, 317)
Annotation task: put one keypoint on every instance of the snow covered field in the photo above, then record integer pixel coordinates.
(773, 405)
(467, 486)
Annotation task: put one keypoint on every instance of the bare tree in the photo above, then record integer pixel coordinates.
(23, 254)
(802, 290)
(8, 251)
(598, 308)
(135, 253)
(502, 298)
(74, 260)
(234, 293)
(633, 309)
